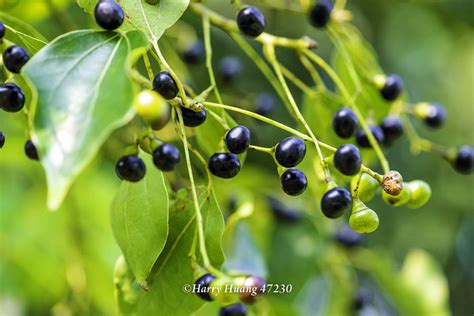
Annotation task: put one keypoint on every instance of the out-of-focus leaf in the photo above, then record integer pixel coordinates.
(83, 94)
(22, 34)
(210, 134)
(465, 250)
(313, 298)
(173, 268)
(139, 219)
(151, 19)
(126, 294)
(241, 251)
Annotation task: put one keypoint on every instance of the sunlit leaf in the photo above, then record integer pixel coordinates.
(22, 34)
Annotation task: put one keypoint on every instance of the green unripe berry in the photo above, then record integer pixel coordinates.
(363, 220)
(397, 200)
(224, 291)
(420, 193)
(152, 107)
(367, 187)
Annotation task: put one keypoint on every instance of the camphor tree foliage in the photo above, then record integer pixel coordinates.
(178, 150)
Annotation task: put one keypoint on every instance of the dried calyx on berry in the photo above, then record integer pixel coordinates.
(392, 183)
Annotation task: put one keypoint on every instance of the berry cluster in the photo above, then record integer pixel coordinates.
(228, 291)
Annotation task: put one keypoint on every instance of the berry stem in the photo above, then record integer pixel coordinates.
(268, 121)
(312, 72)
(419, 144)
(149, 70)
(342, 88)
(206, 26)
(271, 56)
(199, 221)
(264, 38)
(296, 81)
(264, 68)
(262, 149)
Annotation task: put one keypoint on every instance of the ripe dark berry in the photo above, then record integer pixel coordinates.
(392, 127)
(2, 30)
(251, 21)
(166, 157)
(14, 57)
(165, 85)
(224, 165)
(30, 150)
(348, 238)
(265, 104)
(253, 288)
(362, 299)
(290, 152)
(436, 116)
(12, 98)
(130, 168)
(233, 310)
(283, 213)
(321, 13)
(392, 88)
(464, 160)
(194, 54)
(229, 68)
(192, 118)
(237, 139)
(362, 139)
(2, 139)
(347, 160)
(203, 284)
(335, 202)
(108, 15)
(345, 123)
(293, 182)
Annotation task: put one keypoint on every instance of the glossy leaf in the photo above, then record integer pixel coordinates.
(173, 268)
(83, 94)
(22, 34)
(139, 219)
(152, 19)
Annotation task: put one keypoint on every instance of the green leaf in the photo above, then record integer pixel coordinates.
(126, 294)
(83, 93)
(173, 268)
(152, 19)
(22, 34)
(139, 219)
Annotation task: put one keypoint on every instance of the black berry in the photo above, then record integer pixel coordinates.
(165, 85)
(436, 116)
(203, 284)
(192, 118)
(108, 15)
(2, 139)
(251, 21)
(362, 139)
(282, 213)
(224, 165)
(347, 160)
(233, 310)
(237, 139)
(392, 127)
(12, 98)
(30, 150)
(130, 168)
(265, 104)
(2, 30)
(464, 160)
(194, 54)
(290, 151)
(348, 238)
(229, 68)
(345, 123)
(14, 57)
(166, 157)
(293, 182)
(335, 202)
(321, 13)
(392, 88)
(361, 299)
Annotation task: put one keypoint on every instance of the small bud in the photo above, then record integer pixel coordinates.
(393, 183)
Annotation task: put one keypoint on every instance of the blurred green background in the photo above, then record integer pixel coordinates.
(61, 263)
